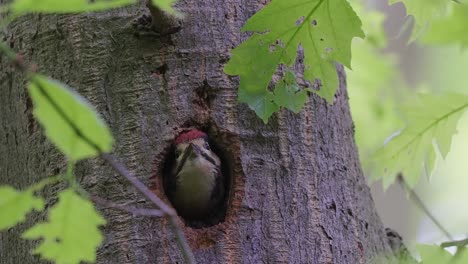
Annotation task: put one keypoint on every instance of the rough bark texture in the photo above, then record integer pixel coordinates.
(298, 194)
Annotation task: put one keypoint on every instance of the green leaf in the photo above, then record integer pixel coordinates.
(262, 104)
(432, 254)
(450, 29)
(423, 12)
(20, 7)
(430, 119)
(70, 122)
(288, 94)
(373, 91)
(372, 25)
(374, 87)
(255, 63)
(167, 6)
(71, 234)
(14, 205)
(323, 28)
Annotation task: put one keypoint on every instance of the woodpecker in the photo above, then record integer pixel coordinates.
(197, 183)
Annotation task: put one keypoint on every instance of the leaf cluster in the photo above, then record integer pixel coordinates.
(323, 29)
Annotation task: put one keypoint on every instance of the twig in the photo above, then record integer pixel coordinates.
(456, 243)
(127, 208)
(415, 197)
(122, 170)
(167, 211)
(460, 244)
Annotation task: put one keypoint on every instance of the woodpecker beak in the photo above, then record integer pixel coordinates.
(196, 149)
(191, 148)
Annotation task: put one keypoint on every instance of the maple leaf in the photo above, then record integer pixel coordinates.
(430, 118)
(323, 28)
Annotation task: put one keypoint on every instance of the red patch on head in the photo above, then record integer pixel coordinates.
(189, 136)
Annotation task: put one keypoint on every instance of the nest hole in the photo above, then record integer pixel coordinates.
(218, 214)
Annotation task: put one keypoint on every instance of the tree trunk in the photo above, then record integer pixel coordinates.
(297, 191)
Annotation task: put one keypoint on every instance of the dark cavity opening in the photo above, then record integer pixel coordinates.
(217, 214)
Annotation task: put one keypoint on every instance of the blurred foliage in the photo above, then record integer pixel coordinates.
(381, 101)
(379, 91)
(68, 119)
(14, 205)
(167, 6)
(433, 254)
(423, 13)
(20, 7)
(71, 234)
(430, 120)
(373, 85)
(451, 28)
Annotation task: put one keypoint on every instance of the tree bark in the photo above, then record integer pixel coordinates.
(297, 192)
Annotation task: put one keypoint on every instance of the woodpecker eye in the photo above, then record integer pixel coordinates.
(178, 152)
(206, 145)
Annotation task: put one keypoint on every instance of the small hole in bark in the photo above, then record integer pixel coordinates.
(223, 60)
(161, 70)
(28, 112)
(215, 215)
(205, 95)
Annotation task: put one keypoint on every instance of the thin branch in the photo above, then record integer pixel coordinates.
(127, 208)
(181, 241)
(122, 170)
(460, 244)
(415, 197)
(167, 211)
(10, 54)
(15, 59)
(456, 243)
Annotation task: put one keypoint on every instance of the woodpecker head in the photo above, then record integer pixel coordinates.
(193, 137)
(192, 146)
